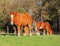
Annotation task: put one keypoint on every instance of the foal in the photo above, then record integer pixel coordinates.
(43, 25)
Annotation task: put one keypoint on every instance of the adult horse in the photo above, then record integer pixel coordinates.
(43, 25)
(21, 19)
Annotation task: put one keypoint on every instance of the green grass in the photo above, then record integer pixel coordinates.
(42, 40)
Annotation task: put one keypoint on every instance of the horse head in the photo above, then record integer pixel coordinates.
(11, 17)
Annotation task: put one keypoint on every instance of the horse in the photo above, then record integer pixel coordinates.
(21, 19)
(45, 26)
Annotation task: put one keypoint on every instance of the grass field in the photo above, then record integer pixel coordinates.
(42, 40)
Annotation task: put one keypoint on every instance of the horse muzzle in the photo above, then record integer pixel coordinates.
(11, 23)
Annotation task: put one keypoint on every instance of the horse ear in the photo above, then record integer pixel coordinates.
(15, 13)
(11, 13)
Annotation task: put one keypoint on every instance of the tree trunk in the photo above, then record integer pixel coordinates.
(57, 23)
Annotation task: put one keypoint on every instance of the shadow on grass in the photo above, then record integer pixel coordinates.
(8, 34)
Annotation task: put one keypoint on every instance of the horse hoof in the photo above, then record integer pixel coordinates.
(30, 34)
(18, 34)
(37, 34)
(24, 34)
(47, 34)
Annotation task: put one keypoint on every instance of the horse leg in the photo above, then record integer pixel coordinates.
(14, 30)
(48, 32)
(44, 32)
(37, 31)
(18, 28)
(30, 29)
(25, 30)
(7, 30)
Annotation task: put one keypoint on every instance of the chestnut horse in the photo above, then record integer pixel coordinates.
(43, 25)
(21, 19)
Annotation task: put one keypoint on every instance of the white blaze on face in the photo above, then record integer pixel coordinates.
(11, 19)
